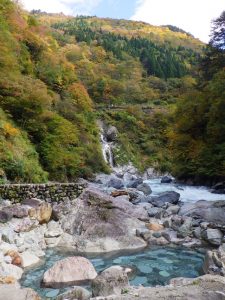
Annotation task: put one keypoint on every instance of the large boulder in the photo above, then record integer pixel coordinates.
(68, 272)
(213, 236)
(101, 223)
(39, 210)
(111, 133)
(163, 198)
(219, 188)
(145, 188)
(17, 210)
(5, 216)
(115, 182)
(134, 183)
(111, 281)
(166, 179)
(208, 211)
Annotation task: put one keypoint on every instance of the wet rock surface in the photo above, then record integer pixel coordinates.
(145, 188)
(219, 188)
(166, 179)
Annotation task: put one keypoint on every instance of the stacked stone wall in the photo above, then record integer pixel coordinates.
(51, 192)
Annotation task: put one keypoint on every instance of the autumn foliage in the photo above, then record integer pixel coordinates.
(58, 74)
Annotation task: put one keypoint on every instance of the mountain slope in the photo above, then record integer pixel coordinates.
(40, 92)
(55, 73)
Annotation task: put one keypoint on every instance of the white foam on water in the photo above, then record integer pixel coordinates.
(107, 151)
(187, 193)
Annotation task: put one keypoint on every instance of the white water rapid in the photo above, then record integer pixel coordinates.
(187, 193)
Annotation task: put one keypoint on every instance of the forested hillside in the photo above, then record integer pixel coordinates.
(48, 129)
(59, 74)
(198, 137)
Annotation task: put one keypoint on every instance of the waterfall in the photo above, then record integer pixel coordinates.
(107, 150)
(106, 145)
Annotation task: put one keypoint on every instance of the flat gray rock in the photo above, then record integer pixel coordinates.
(207, 211)
(166, 197)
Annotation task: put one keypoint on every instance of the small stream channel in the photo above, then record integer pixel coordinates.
(153, 266)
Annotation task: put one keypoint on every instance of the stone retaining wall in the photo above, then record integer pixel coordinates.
(51, 192)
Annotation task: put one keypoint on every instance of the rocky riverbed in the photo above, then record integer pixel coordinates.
(117, 212)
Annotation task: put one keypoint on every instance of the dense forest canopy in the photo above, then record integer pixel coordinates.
(59, 74)
(48, 129)
(198, 139)
(163, 61)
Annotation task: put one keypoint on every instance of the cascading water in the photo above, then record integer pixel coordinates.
(107, 150)
(107, 146)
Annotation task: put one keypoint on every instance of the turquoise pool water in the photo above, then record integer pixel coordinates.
(153, 266)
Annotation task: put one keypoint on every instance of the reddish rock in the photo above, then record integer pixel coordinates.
(119, 193)
(16, 258)
(154, 226)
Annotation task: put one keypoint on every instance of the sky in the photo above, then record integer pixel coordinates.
(193, 16)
